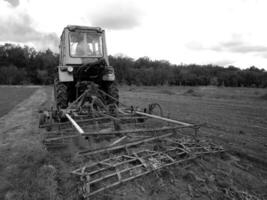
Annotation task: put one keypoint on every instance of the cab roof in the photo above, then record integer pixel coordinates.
(75, 27)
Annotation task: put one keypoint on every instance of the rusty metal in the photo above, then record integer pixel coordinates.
(120, 132)
(89, 116)
(125, 168)
(115, 170)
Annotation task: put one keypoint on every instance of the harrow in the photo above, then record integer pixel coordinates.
(122, 142)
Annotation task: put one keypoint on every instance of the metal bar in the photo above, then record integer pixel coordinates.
(128, 161)
(106, 168)
(144, 130)
(85, 121)
(164, 119)
(131, 159)
(105, 160)
(106, 115)
(169, 157)
(124, 132)
(91, 152)
(137, 176)
(87, 124)
(60, 138)
(78, 99)
(78, 128)
(115, 173)
(104, 163)
(69, 123)
(113, 166)
(118, 140)
(140, 159)
(112, 97)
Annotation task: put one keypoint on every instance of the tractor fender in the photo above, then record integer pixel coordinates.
(64, 75)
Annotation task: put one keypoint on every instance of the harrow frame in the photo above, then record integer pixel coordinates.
(142, 141)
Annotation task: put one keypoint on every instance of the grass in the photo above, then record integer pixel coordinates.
(11, 96)
(25, 174)
(264, 96)
(25, 169)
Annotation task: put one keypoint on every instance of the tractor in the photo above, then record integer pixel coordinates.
(83, 61)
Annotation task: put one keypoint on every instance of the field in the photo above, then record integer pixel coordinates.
(233, 117)
(11, 97)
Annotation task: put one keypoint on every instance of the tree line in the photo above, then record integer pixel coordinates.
(145, 71)
(24, 65)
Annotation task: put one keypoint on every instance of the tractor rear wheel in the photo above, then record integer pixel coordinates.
(61, 94)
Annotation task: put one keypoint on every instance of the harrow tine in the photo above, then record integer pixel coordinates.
(118, 141)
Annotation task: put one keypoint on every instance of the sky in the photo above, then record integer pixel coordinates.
(219, 32)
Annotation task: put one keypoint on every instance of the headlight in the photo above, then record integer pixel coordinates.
(108, 77)
(70, 69)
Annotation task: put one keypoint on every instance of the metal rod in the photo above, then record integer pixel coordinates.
(78, 128)
(118, 140)
(136, 176)
(66, 126)
(163, 118)
(78, 99)
(82, 121)
(112, 97)
(124, 132)
(143, 130)
(101, 150)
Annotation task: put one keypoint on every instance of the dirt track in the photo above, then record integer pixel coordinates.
(23, 167)
(22, 118)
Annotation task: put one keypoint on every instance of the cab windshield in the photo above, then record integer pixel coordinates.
(86, 44)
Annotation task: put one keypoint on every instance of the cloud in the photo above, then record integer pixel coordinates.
(119, 15)
(194, 45)
(240, 47)
(264, 55)
(223, 62)
(19, 28)
(14, 3)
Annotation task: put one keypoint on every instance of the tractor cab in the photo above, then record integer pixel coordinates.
(81, 44)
